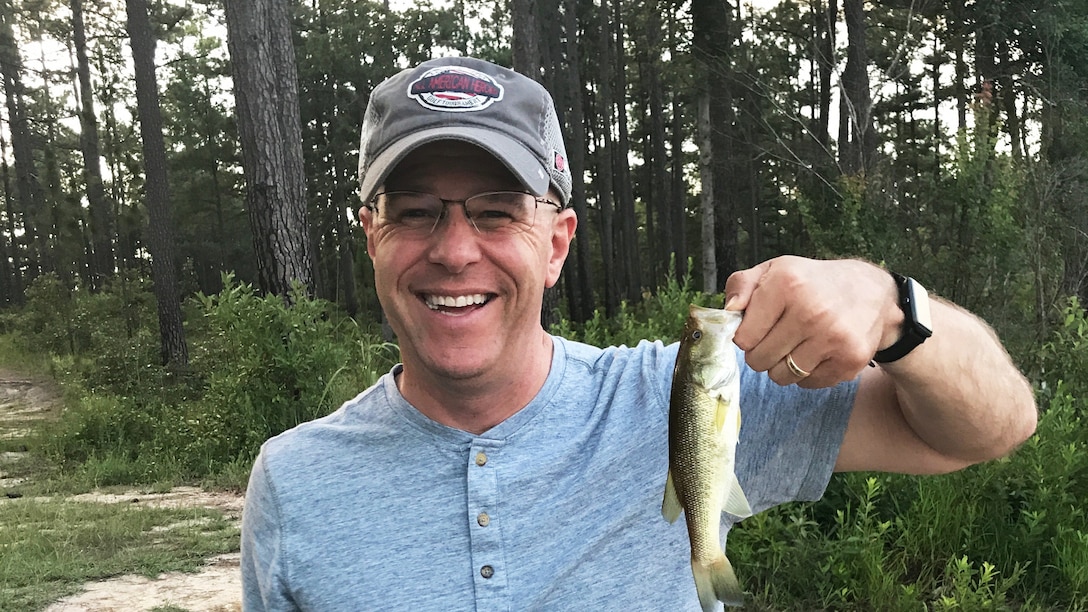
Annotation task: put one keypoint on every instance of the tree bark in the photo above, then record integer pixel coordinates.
(31, 199)
(659, 202)
(706, 196)
(712, 44)
(625, 197)
(826, 18)
(160, 231)
(581, 298)
(858, 153)
(677, 185)
(526, 38)
(12, 258)
(269, 128)
(603, 161)
(101, 219)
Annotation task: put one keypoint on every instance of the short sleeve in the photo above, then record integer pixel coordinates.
(263, 580)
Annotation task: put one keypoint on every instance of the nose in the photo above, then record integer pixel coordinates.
(454, 240)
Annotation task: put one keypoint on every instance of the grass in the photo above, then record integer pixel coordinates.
(50, 546)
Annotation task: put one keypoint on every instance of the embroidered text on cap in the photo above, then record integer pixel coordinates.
(455, 89)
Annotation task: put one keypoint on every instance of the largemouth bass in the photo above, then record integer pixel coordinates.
(704, 424)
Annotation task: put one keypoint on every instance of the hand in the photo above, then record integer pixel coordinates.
(830, 316)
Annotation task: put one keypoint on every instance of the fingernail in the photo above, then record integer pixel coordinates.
(731, 301)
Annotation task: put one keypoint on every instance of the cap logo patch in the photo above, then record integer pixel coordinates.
(560, 162)
(455, 89)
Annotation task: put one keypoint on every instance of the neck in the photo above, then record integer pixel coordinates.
(477, 403)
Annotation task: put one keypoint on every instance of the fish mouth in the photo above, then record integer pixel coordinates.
(455, 304)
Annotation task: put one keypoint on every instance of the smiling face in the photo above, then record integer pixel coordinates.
(465, 305)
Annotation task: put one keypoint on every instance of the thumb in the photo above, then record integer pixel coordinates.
(741, 284)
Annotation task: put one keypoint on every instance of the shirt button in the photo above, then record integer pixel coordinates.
(487, 571)
(483, 519)
(481, 458)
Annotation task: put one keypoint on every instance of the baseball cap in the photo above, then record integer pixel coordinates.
(464, 98)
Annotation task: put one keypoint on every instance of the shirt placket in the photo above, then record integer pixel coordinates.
(484, 521)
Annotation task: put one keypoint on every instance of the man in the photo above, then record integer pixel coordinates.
(501, 468)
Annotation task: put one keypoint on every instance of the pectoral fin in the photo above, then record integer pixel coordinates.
(670, 506)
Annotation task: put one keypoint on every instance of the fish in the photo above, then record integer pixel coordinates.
(704, 427)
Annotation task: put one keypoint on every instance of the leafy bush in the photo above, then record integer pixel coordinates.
(269, 366)
(1003, 535)
(659, 316)
(258, 366)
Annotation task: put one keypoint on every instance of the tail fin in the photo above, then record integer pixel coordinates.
(714, 582)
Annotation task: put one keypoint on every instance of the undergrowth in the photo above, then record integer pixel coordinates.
(257, 367)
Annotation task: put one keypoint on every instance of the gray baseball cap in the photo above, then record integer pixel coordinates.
(463, 98)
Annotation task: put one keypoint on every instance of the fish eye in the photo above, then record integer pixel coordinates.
(695, 335)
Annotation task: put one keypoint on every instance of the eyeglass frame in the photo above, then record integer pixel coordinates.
(372, 205)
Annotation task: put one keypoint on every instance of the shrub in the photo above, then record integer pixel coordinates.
(659, 316)
(258, 366)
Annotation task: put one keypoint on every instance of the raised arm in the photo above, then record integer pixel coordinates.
(955, 400)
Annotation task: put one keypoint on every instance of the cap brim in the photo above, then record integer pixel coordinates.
(525, 166)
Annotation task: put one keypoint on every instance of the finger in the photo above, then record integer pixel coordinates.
(740, 285)
(763, 307)
(783, 337)
(804, 370)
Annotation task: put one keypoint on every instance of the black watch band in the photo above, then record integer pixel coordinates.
(914, 302)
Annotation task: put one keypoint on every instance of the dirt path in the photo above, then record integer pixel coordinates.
(216, 588)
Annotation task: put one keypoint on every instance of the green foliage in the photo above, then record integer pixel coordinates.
(659, 316)
(1064, 357)
(258, 367)
(1003, 535)
(268, 367)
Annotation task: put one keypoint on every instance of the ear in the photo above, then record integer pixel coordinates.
(566, 222)
(366, 218)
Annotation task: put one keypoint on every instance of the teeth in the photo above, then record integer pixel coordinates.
(435, 301)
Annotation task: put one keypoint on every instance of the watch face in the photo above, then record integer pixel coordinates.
(919, 303)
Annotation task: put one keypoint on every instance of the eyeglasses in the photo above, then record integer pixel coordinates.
(498, 212)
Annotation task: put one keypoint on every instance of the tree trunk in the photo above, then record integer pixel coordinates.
(526, 38)
(603, 162)
(12, 258)
(65, 242)
(677, 185)
(160, 230)
(712, 43)
(706, 196)
(269, 129)
(101, 219)
(826, 18)
(30, 197)
(581, 298)
(625, 197)
(859, 152)
(659, 202)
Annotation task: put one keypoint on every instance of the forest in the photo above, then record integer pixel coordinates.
(942, 138)
(179, 240)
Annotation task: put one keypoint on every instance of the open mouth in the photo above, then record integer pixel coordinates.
(455, 303)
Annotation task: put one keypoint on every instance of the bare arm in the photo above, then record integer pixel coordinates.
(953, 401)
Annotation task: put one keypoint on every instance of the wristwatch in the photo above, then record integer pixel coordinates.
(917, 326)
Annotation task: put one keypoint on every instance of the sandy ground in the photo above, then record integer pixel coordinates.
(216, 588)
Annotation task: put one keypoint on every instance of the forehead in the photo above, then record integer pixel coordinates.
(451, 160)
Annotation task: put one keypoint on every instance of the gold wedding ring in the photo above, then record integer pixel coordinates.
(794, 368)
